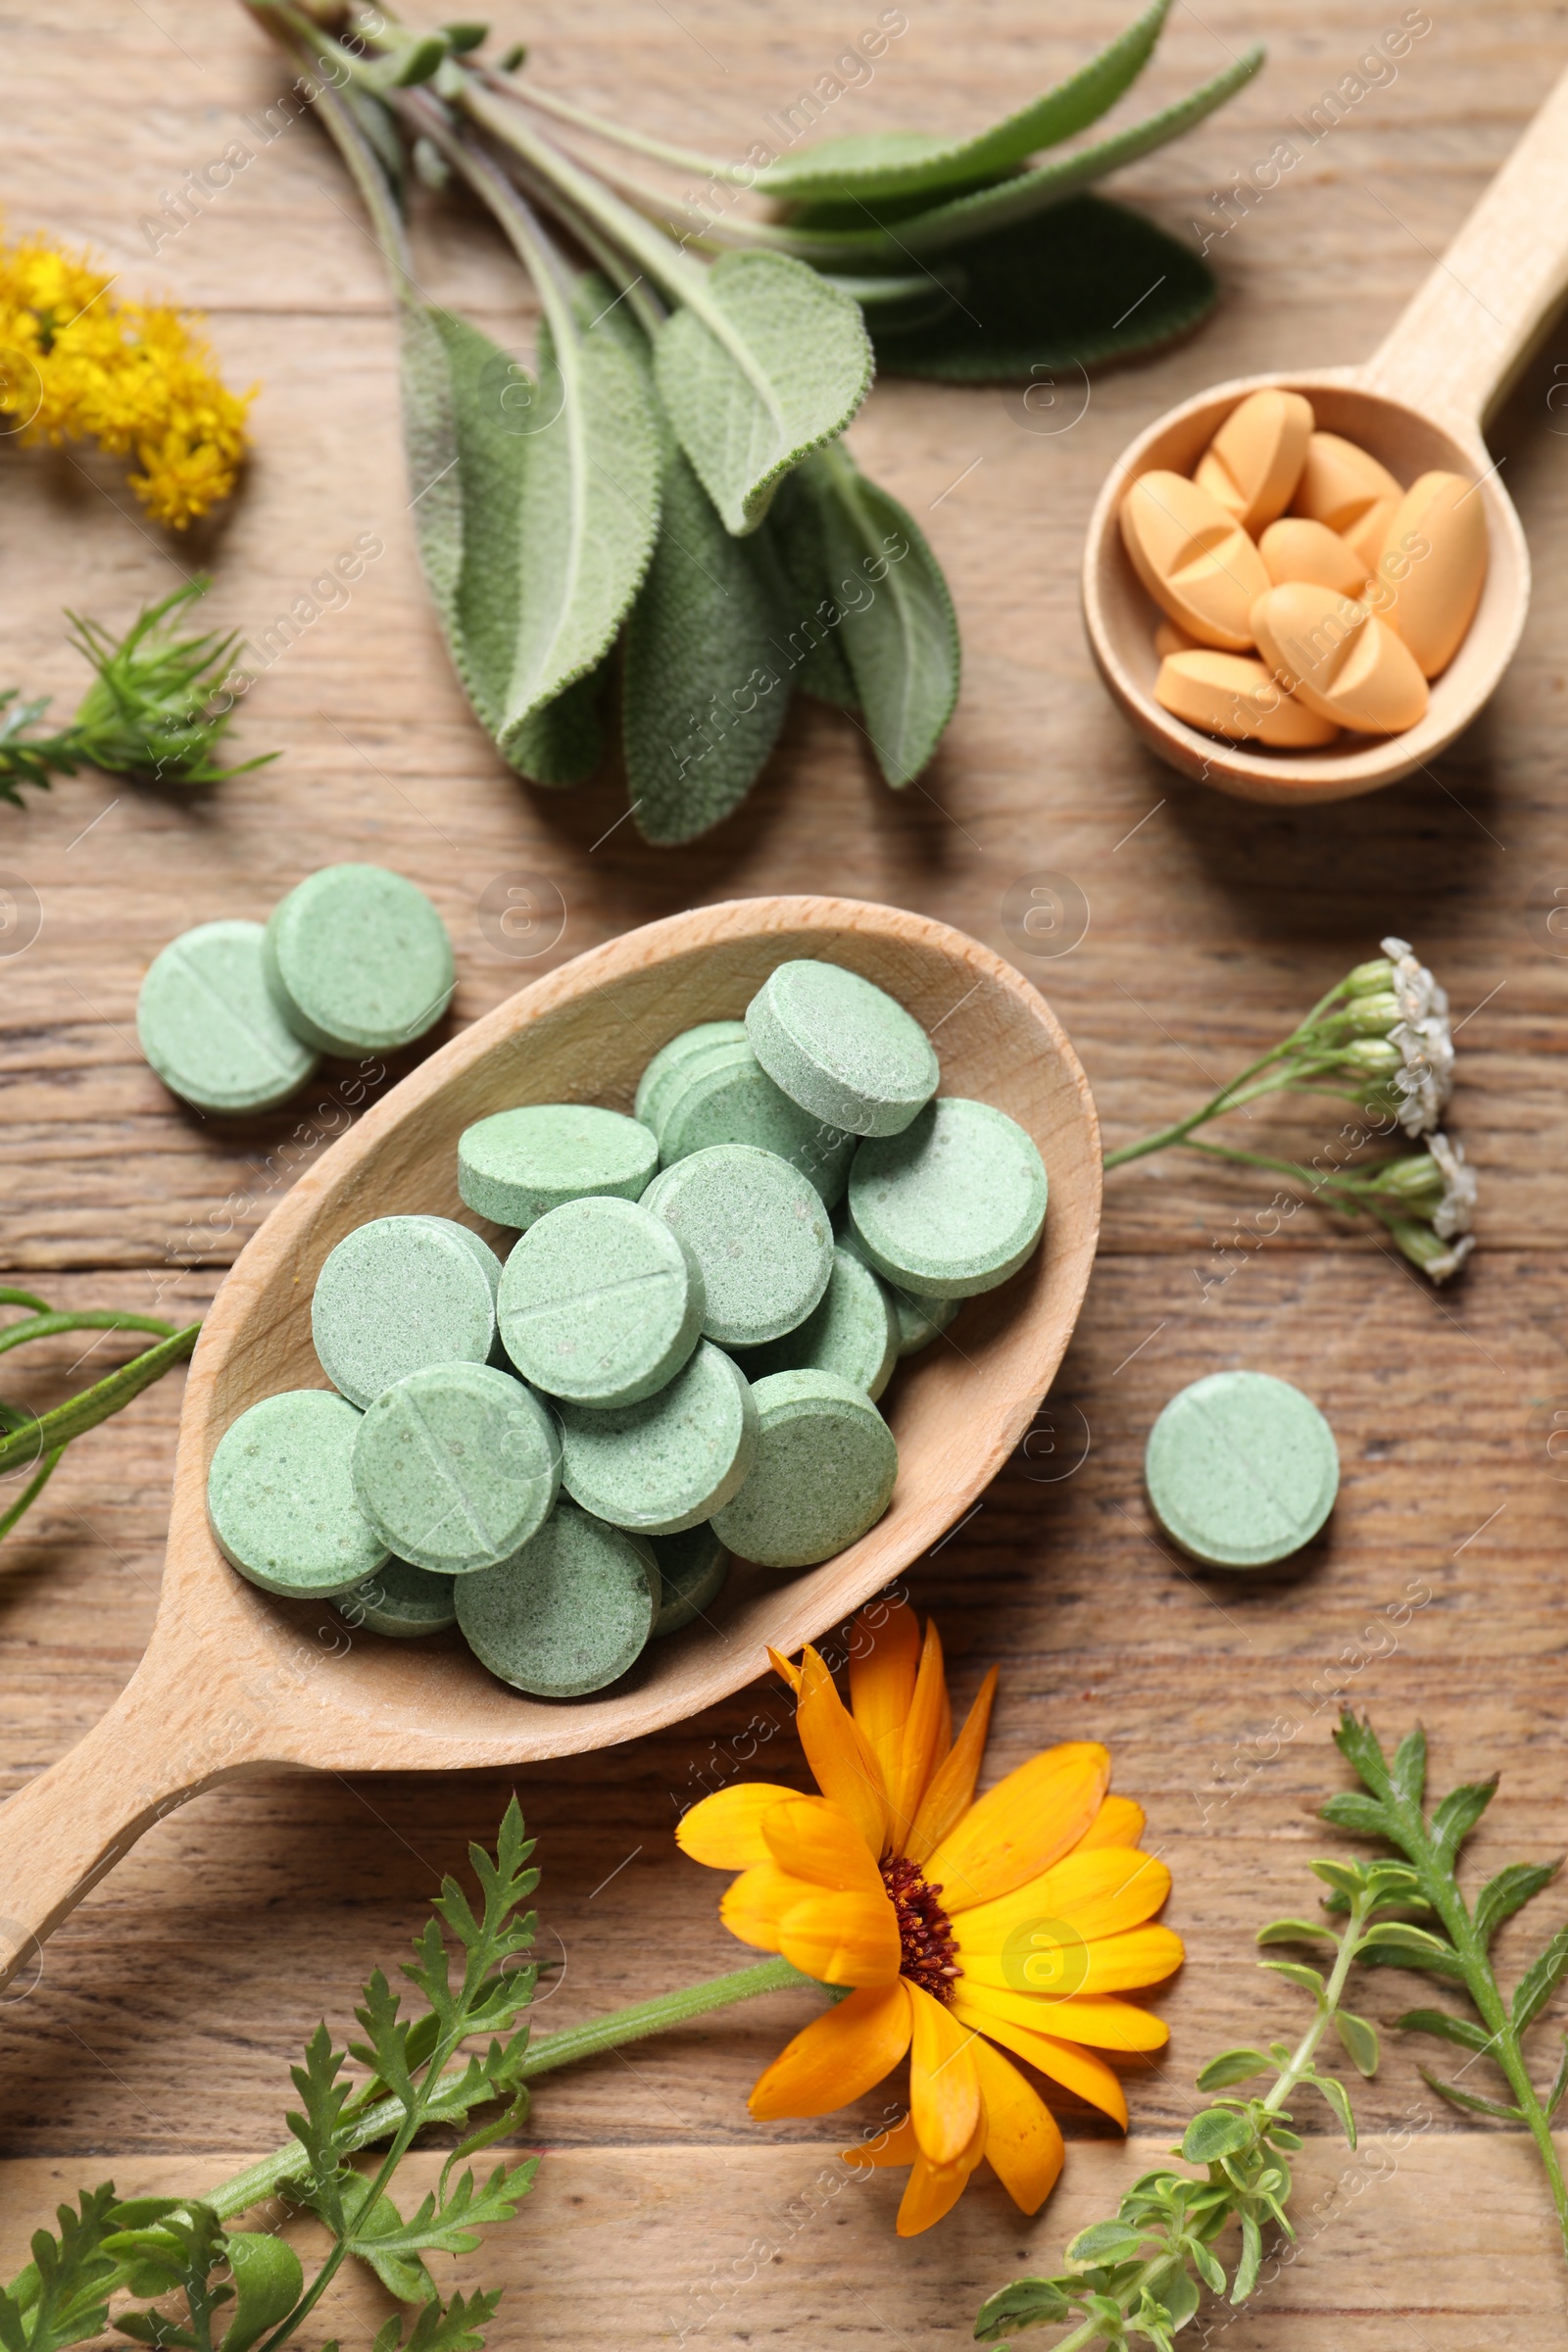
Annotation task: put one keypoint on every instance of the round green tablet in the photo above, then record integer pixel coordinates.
(477, 1247)
(673, 1056)
(953, 1205)
(842, 1047)
(518, 1165)
(401, 1602)
(456, 1466)
(358, 961)
(1242, 1469)
(600, 1303)
(692, 1571)
(728, 1097)
(669, 1462)
(398, 1294)
(281, 1496)
(759, 1236)
(209, 1028)
(918, 1319)
(852, 1331)
(823, 1474)
(567, 1613)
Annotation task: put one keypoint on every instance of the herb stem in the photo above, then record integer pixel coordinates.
(56, 1429)
(549, 102)
(1333, 1994)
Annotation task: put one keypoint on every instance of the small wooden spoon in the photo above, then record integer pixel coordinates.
(236, 1682)
(1418, 404)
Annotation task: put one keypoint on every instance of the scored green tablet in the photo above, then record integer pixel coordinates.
(567, 1613)
(1242, 1469)
(281, 1496)
(823, 1474)
(358, 960)
(600, 1303)
(842, 1047)
(758, 1234)
(670, 1461)
(852, 1331)
(518, 1165)
(456, 1466)
(401, 1602)
(209, 1025)
(398, 1294)
(953, 1205)
(693, 1569)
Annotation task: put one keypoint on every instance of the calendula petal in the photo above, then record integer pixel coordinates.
(1120, 1821)
(754, 1905)
(787, 1668)
(933, 2190)
(1060, 1967)
(883, 1659)
(840, 1754)
(943, 2085)
(1098, 2018)
(812, 1838)
(1022, 1826)
(896, 2146)
(1065, 2062)
(842, 1938)
(1023, 2145)
(838, 2057)
(925, 1740)
(725, 1829)
(951, 1790)
(1087, 1894)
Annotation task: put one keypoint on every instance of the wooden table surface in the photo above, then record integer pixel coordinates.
(156, 2043)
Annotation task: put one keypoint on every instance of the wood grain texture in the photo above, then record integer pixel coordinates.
(156, 2044)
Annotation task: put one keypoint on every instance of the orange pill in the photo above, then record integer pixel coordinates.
(1294, 549)
(1338, 659)
(1235, 696)
(1365, 536)
(1435, 558)
(1195, 560)
(1169, 639)
(1339, 481)
(1255, 461)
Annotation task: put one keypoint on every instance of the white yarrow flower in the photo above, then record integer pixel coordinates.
(1418, 993)
(1455, 1210)
(1426, 1080)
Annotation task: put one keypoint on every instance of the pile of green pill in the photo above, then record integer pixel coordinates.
(235, 1016)
(679, 1359)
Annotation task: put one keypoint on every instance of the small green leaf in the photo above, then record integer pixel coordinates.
(1026, 2303)
(1462, 2029)
(1309, 1980)
(1362, 1749)
(1468, 2101)
(1359, 2040)
(1408, 1772)
(1105, 2241)
(1540, 1981)
(1173, 2286)
(269, 2281)
(1458, 1813)
(1345, 1878)
(1398, 1943)
(1214, 2133)
(776, 364)
(402, 2274)
(418, 60)
(1232, 2066)
(1555, 2097)
(1510, 1891)
(1364, 1816)
(1252, 2258)
(1295, 1931)
(1339, 2098)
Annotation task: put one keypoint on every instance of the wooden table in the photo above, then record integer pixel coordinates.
(156, 2044)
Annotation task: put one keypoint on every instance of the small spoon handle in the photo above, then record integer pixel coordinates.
(1463, 339)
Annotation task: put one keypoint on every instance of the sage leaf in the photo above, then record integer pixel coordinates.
(565, 742)
(898, 629)
(812, 614)
(703, 699)
(777, 362)
(905, 162)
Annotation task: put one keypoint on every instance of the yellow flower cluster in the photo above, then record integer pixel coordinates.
(76, 364)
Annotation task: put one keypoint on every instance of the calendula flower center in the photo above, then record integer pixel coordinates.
(930, 1951)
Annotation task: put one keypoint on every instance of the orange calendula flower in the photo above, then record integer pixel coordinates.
(1017, 1919)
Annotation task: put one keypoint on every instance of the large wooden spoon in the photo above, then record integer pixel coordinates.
(236, 1682)
(1418, 404)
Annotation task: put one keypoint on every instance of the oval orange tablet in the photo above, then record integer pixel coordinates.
(1339, 481)
(1196, 561)
(1434, 556)
(1235, 696)
(1338, 659)
(1252, 465)
(1365, 536)
(1294, 549)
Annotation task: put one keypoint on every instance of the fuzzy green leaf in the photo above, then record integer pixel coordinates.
(899, 162)
(1555, 2096)
(1339, 2098)
(565, 742)
(1295, 1931)
(1510, 1891)
(1345, 1878)
(1308, 1979)
(1462, 2029)
(778, 363)
(1232, 2066)
(1252, 2258)
(1468, 2102)
(1398, 1944)
(1458, 1813)
(1362, 1748)
(1364, 1816)
(1408, 1770)
(812, 614)
(1105, 2241)
(1214, 2133)
(1026, 2303)
(1540, 1981)
(269, 2281)
(1359, 2040)
(1173, 2286)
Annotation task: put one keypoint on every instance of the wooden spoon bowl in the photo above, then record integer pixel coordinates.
(235, 1681)
(1418, 404)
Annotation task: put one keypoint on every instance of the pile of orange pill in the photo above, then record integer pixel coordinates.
(1306, 591)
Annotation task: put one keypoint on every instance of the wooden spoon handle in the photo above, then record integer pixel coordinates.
(1463, 339)
(60, 1833)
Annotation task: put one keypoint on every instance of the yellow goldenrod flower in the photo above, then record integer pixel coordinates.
(76, 364)
(1018, 1918)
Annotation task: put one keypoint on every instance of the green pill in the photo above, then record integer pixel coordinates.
(456, 1467)
(692, 1572)
(280, 1497)
(852, 1331)
(840, 1048)
(823, 1474)
(728, 1097)
(358, 960)
(209, 1028)
(399, 1293)
(567, 1613)
(953, 1205)
(669, 1462)
(477, 1246)
(518, 1165)
(1242, 1469)
(401, 1602)
(673, 1057)
(918, 1319)
(600, 1303)
(758, 1234)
